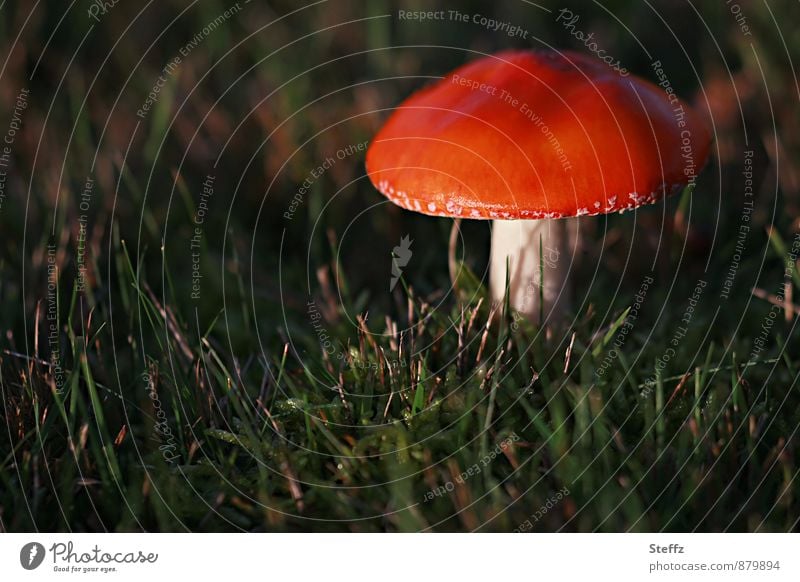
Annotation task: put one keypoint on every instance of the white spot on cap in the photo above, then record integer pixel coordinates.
(453, 208)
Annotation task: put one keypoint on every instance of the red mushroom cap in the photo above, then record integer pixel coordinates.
(536, 134)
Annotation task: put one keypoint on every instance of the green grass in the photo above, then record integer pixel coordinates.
(246, 409)
(278, 441)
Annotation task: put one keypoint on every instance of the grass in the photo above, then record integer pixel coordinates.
(296, 393)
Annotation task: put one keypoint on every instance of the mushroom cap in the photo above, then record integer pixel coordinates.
(536, 134)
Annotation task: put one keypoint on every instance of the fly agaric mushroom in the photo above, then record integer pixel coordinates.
(527, 139)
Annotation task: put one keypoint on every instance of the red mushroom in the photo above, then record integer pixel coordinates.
(526, 138)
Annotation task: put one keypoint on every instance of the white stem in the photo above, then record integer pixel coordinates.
(533, 275)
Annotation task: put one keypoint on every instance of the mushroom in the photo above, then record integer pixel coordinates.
(528, 139)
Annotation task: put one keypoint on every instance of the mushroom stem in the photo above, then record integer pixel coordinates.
(538, 253)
